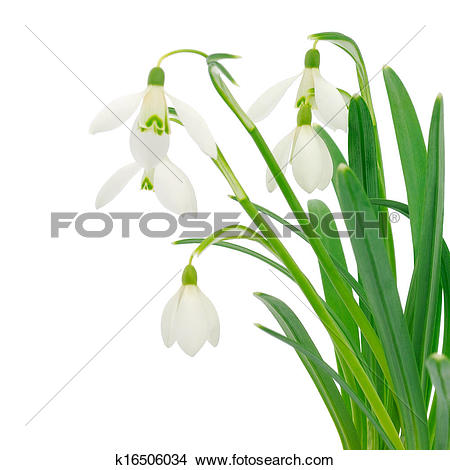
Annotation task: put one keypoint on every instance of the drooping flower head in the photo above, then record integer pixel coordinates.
(328, 103)
(189, 318)
(303, 148)
(149, 144)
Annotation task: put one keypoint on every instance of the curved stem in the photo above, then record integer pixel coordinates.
(316, 243)
(339, 339)
(244, 233)
(242, 249)
(180, 51)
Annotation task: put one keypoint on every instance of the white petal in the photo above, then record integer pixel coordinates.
(308, 163)
(191, 322)
(115, 184)
(266, 103)
(317, 114)
(148, 148)
(281, 153)
(173, 188)
(330, 103)
(168, 319)
(306, 84)
(327, 172)
(212, 319)
(195, 126)
(116, 113)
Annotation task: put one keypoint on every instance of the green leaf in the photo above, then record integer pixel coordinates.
(439, 369)
(349, 45)
(294, 330)
(346, 95)
(362, 152)
(302, 349)
(445, 271)
(421, 306)
(335, 153)
(332, 297)
(215, 73)
(381, 290)
(397, 206)
(411, 147)
(221, 55)
(225, 71)
(362, 157)
(232, 232)
(242, 249)
(445, 277)
(351, 281)
(334, 247)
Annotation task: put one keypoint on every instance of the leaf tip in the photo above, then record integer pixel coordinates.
(343, 168)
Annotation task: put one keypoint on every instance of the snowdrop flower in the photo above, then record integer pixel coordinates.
(172, 187)
(149, 144)
(306, 152)
(189, 317)
(328, 103)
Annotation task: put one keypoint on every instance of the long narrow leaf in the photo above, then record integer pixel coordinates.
(294, 329)
(362, 152)
(411, 146)
(334, 247)
(242, 249)
(326, 223)
(421, 306)
(445, 272)
(351, 281)
(445, 277)
(381, 290)
(329, 370)
(439, 369)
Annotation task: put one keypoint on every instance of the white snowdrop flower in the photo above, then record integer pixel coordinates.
(328, 103)
(311, 161)
(189, 318)
(172, 187)
(149, 144)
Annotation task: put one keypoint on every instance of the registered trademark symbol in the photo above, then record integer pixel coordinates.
(394, 217)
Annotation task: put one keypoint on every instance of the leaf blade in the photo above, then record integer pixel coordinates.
(411, 147)
(294, 329)
(381, 290)
(439, 369)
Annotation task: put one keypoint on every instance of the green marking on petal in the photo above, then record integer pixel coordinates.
(154, 120)
(146, 184)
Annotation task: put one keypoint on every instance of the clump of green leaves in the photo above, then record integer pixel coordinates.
(391, 386)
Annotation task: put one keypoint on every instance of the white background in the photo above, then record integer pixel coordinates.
(63, 299)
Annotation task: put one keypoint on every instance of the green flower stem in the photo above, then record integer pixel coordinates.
(339, 340)
(316, 243)
(223, 234)
(364, 88)
(180, 51)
